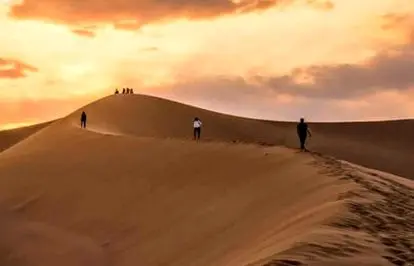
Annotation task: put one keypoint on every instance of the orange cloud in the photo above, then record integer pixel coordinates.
(150, 49)
(14, 69)
(399, 24)
(131, 14)
(236, 95)
(256, 52)
(390, 70)
(84, 33)
(402, 23)
(326, 5)
(395, 20)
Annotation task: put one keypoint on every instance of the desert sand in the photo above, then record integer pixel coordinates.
(134, 189)
(12, 136)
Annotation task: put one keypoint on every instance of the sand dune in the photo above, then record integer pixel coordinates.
(386, 146)
(133, 190)
(12, 136)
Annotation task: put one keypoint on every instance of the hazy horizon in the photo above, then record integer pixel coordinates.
(11, 126)
(278, 60)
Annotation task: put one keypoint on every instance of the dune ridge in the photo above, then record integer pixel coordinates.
(383, 145)
(133, 190)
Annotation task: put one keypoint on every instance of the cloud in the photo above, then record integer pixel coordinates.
(84, 33)
(389, 70)
(392, 69)
(392, 21)
(150, 49)
(14, 69)
(131, 14)
(370, 89)
(236, 95)
(324, 5)
(399, 23)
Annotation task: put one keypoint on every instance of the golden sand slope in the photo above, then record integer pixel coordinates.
(12, 136)
(139, 115)
(132, 197)
(386, 146)
(154, 201)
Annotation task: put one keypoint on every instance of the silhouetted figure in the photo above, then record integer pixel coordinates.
(303, 133)
(197, 128)
(123, 91)
(116, 91)
(83, 120)
(132, 91)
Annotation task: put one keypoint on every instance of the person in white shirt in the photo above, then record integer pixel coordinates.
(197, 128)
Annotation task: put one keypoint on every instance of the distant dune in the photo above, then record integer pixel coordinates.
(12, 136)
(135, 189)
(385, 145)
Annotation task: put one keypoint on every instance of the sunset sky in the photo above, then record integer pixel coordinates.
(327, 60)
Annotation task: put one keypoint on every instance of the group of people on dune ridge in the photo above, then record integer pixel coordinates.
(302, 129)
(125, 91)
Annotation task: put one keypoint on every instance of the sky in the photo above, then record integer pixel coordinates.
(325, 60)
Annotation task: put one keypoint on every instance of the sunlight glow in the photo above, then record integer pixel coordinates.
(156, 56)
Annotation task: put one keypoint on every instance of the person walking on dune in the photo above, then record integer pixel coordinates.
(197, 128)
(83, 120)
(303, 132)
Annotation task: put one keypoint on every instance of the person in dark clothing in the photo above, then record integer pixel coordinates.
(116, 91)
(303, 132)
(123, 91)
(197, 128)
(83, 120)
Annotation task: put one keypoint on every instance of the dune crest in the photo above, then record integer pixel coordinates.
(384, 145)
(132, 189)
